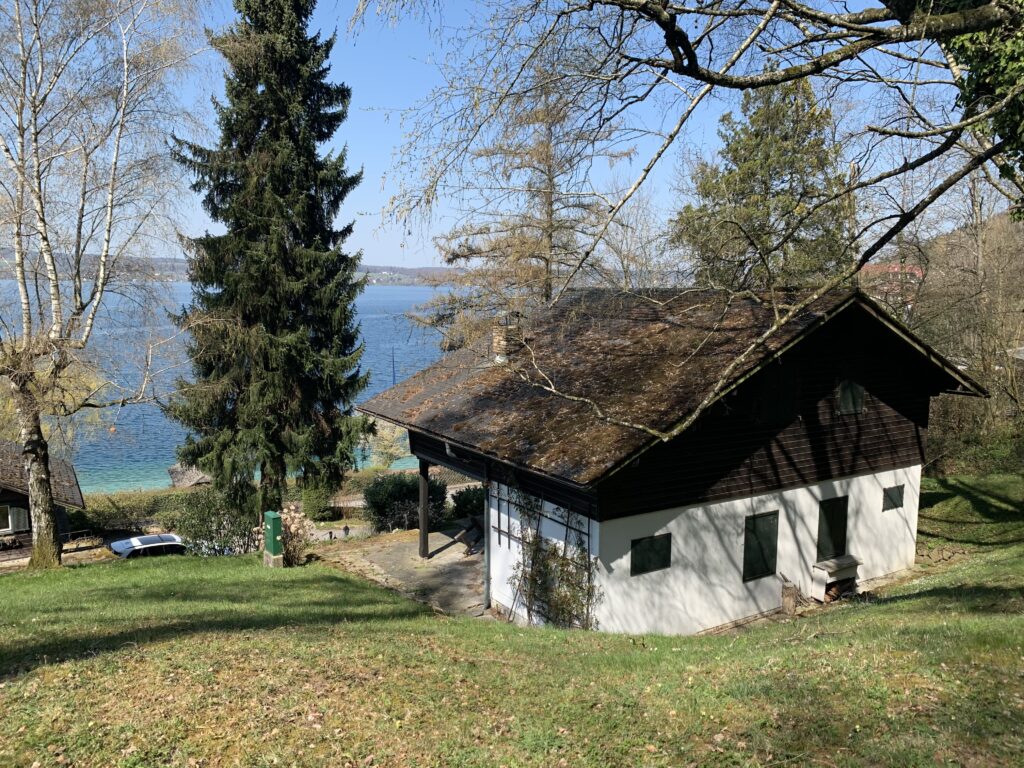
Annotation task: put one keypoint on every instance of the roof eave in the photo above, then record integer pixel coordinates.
(66, 503)
(586, 487)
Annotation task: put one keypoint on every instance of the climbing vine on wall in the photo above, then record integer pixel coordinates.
(554, 580)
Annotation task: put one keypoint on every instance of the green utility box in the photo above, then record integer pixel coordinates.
(273, 544)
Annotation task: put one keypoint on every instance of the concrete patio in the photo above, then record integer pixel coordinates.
(449, 580)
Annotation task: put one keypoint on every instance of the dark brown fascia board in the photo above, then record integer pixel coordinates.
(12, 489)
(474, 450)
(973, 388)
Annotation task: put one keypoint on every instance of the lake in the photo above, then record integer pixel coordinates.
(136, 444)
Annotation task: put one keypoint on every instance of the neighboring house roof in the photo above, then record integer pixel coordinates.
(63, 479)
(187, 477)
(649, 360)
(887, 270)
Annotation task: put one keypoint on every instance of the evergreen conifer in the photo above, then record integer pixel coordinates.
(274, 342)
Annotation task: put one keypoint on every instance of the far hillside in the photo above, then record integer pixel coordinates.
(172, 270)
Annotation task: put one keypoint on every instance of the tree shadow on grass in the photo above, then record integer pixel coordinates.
(991, 519)
(109, 618)
(930, 498)
(971, 598)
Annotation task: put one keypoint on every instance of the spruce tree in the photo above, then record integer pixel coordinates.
(274, 342)
(769, 212)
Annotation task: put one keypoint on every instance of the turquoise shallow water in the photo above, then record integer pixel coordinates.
(135, 445)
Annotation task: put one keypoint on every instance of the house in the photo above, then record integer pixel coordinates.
(893, 284)
(15, 524)
(187, 477)
(804, 468)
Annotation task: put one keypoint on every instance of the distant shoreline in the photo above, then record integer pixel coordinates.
(136, 445)
(166, 270)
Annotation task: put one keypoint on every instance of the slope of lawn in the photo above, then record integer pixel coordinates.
(220, 662)
(972, 513)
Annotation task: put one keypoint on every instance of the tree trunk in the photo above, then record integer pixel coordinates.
(46, 547)
(273, 477)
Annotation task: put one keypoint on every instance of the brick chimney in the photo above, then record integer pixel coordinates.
(506, 337)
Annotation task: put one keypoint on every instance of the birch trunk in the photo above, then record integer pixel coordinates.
(46, 547)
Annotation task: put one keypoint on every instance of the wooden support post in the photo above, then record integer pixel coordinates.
(487, 545)
(424, 508)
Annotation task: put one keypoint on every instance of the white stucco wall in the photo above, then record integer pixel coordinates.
(704, 585)
(505, 550)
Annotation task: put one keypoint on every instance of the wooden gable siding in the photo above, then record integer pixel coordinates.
(781, 428)
(481, 467)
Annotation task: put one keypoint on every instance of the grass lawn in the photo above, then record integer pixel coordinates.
(191, 662)
(974, 513)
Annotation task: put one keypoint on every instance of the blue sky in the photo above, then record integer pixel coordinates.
(388, 69)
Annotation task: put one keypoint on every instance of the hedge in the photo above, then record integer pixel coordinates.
(131, 510)
(392, 500)
(469, 502)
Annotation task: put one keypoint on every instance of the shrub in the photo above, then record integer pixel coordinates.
(316, 503)
(211, 525)
(359, 481)
(296, 535)
(961, 451)
(392, 500)
(469, 502)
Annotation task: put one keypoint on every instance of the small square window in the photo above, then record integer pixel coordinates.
(651, 553)
(892, 497)
(850, 398)
(760, 542)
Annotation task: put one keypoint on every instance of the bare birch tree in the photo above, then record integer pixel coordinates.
(86, 100)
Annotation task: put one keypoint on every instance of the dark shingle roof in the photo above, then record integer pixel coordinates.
(187, 477)
(62, 476)
(648, 359)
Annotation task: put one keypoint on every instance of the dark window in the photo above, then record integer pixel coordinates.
(760, 541)
(892, 497)
(5, 518)
(850, 397)
(651, 553)
(832, 528)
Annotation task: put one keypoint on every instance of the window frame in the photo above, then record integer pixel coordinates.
(749, 527)
(658, 539)
(901, 488)
(860, 397)
(10, 520)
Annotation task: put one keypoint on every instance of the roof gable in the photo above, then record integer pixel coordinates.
(63, 479)
(648, 360)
